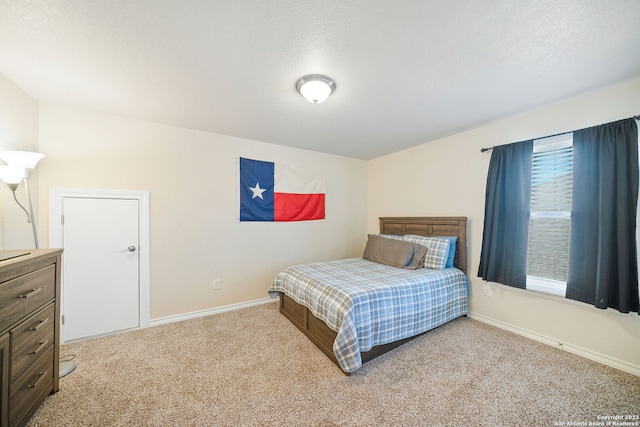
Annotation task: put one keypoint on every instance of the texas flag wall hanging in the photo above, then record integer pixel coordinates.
(279, 192)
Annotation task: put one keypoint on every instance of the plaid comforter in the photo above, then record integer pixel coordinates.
(369, 304)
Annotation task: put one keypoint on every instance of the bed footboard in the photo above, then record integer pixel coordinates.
(319, 333)
(315, 329)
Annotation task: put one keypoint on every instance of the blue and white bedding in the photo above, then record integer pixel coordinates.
(370, 304)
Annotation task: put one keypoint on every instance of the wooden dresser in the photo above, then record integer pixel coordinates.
(29, 333)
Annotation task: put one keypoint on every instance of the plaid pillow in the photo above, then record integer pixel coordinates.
(437, 253)
(391, 236)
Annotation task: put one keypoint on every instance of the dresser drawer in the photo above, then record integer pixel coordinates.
(30, 339)
(31, 388)
(22, 295)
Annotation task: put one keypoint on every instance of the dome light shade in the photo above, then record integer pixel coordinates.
(26, 159)
(315, 88)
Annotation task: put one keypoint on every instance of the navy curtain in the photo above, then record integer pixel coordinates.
(603, 268)
(506, 216)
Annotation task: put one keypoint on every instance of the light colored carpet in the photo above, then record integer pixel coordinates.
(252, 367)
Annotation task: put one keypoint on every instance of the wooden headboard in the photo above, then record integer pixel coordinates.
(432, 226)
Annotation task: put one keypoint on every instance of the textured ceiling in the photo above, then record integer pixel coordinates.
(407, 72)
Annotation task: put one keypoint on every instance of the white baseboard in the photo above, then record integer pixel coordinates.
(580, 351)
(208, 312)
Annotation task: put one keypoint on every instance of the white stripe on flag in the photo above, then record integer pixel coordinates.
(298, 180)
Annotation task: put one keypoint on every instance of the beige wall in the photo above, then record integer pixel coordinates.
(18, 131)
(191, 176)
(447, 177)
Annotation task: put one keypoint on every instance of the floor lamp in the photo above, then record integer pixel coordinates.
(17, 170)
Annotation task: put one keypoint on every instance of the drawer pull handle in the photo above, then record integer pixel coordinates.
(30, 293)
(41, 323)
(38, 379)
(40, 346)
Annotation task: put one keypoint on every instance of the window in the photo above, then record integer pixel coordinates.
(550, 214)
(561, 218)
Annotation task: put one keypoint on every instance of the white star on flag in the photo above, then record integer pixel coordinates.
(257, 191)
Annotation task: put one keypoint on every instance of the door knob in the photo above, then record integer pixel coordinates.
(129, 249)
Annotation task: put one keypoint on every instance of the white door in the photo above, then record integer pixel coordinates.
(101, 289)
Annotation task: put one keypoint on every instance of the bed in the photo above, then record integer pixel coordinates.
(355, 309)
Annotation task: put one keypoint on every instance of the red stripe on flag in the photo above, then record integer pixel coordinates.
(297, 207)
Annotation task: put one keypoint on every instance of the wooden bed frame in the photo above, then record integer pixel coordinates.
(323, 337)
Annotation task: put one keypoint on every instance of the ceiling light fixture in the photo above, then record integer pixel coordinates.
(315, 87)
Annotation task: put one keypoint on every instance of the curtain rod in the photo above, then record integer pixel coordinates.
(485, 149)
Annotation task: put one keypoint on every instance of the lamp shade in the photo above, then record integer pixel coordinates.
(26, 159)
(315, 88)
(12, 174)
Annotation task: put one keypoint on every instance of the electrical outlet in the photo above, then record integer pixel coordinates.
(217, 283)
(486, 291)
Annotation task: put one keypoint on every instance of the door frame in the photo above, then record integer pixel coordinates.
(56, 197)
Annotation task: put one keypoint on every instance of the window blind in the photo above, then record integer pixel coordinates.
(550, 214)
